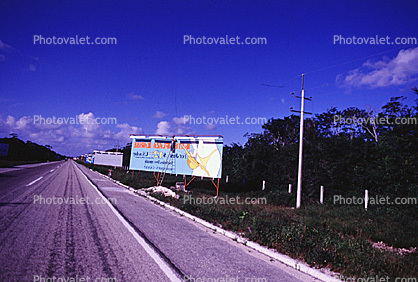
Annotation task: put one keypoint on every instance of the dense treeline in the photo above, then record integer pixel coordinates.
(28, 152)
(346, 151)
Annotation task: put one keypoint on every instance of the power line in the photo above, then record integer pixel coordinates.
(344, 63)
(269, 85)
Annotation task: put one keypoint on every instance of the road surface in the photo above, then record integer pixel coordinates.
(56, 223)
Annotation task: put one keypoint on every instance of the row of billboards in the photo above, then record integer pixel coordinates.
(183, 155)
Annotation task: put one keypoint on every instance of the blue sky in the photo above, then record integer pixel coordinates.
(150, 79)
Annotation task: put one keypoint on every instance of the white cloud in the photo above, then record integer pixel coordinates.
(88, 124)
(180, 126)
(164, 128)
(5, 47)
(159, 114)
(67, 138)
(210, 126)
(23, 123)
(10, 121)
(398, 71)
(125, 130)
(179, 120)
(134, 96)
(176, 127)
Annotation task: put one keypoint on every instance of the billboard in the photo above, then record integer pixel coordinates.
(108, 158)
(184, 155)
(89, 158)
(4, 148)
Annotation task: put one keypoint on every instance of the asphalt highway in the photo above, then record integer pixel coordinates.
(62, 222)
(41, 236)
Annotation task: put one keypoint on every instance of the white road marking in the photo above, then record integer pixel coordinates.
(36, 180)
(151, 252)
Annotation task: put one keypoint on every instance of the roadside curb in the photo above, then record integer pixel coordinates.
(298, 265)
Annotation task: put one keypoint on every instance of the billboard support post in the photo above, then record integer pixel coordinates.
(156, 177)
(216, 186)
(185, 181)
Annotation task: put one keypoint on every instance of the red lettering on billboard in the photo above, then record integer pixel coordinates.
(142, 145)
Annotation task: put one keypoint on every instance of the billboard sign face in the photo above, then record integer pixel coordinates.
(4, 148)
(196, 156)
(90, 159)
(108, 158)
